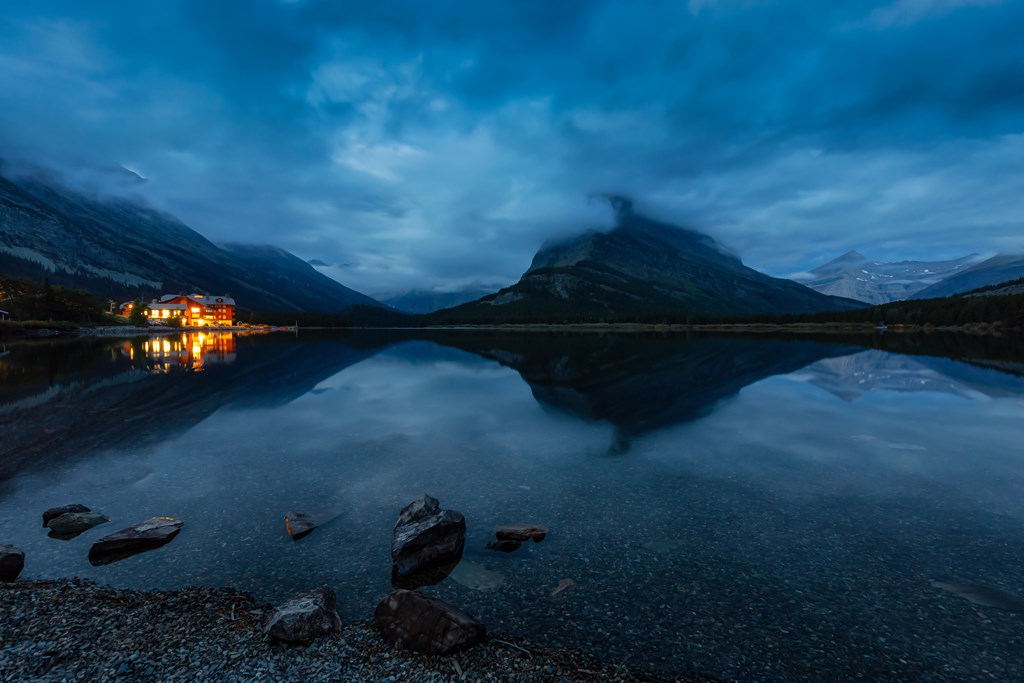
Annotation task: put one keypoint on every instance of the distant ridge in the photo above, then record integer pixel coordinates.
(640, 268)
(855, 276)
(994, 271)
(427, 301)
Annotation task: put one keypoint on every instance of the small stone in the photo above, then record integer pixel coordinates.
(58, 511)
(426, 624)
(305, 617)
(298, 524)
(12, 561)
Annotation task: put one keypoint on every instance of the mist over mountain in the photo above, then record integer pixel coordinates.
(641, 267)
(427, 301)
(855, 276)
(117, 247)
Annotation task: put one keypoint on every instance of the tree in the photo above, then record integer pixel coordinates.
(140, 313)
(174, 321)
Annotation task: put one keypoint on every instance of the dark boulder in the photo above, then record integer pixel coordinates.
(147, 535)
(71, 524)
(305, 617)
(57, 512)
(521, 532)
(427, 543)
(12, 561)
(426, 624)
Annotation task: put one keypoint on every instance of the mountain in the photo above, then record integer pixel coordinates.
(638, 269)
(118, 248)
(996, 270)
(427, 301)
(855, 276)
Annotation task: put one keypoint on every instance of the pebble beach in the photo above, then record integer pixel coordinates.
(77, 630)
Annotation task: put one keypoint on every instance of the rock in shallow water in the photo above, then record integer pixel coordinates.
(71, 524)
(305, 617)
(298, 524)
(58, 511)
(427, 543)
(12, 561)
(521, 532)
(147, 535)
(301, 524)
(426, 624)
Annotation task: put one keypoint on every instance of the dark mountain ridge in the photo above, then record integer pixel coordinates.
(116, 247)
(641, 267)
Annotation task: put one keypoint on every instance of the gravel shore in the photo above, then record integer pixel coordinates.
(79, 631)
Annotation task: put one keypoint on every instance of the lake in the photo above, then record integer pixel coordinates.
(752, 507)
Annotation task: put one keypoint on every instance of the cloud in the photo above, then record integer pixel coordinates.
(427, 146)
(906, 12)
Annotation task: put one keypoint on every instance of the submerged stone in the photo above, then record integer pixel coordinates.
(305, 617)
(506, 546)
(983, 595)
(521, 532)
(139, 538)
(426, 624)
(12, 561)
(63, 509)
(71, 524)
(477, 577)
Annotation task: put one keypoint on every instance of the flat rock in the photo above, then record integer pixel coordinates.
(521, 532)
(147, 535)
(12, 561)
(427, 543)
(71, 524)
(426, 624)
(305, 617)
(57, 512)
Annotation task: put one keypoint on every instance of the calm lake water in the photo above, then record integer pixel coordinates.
(752, 508)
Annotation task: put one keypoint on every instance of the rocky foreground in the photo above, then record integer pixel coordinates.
(79, 631)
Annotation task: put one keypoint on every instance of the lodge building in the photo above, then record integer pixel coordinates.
(195, 310)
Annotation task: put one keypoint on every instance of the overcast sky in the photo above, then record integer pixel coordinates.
(436, 144)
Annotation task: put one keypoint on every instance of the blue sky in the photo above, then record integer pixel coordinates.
(438, 144)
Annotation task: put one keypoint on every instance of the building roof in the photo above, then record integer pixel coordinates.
(212, 300)
(169, 307)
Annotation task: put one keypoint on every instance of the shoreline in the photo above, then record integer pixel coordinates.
(75, 629)
(111, 331)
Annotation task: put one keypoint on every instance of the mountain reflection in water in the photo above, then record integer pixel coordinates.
(63, 399)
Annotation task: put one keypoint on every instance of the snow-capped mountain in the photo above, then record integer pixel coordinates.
(855, 276)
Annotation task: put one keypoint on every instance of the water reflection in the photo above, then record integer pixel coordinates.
(191, 351)
(783, 508)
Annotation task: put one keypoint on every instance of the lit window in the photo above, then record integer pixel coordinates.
(167, 313)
